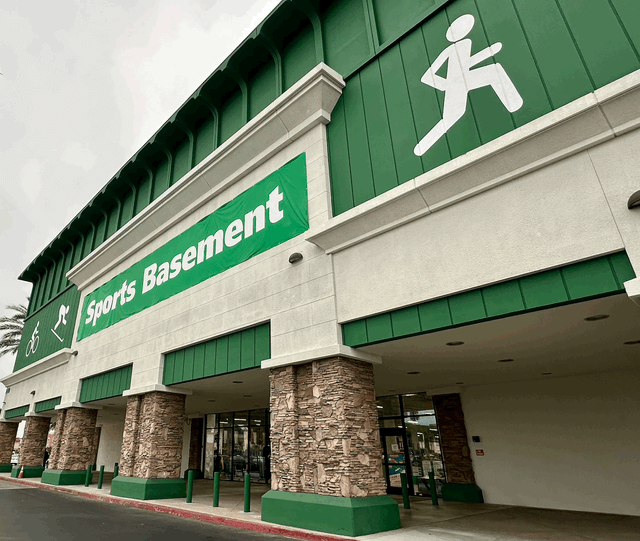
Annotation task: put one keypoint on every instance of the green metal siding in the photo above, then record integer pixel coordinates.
(16, 412)
(47, 405)
(106, 385)
(47, 341)
(229, 353)
(555, 51)
(574, 283)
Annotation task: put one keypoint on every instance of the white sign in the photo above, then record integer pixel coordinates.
(461, 79)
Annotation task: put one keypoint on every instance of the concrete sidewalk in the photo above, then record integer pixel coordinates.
(449, 521)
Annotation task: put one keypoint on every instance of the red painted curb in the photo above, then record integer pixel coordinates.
(261, 527)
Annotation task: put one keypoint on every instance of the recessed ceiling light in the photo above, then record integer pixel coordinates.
(459, 382)
(547, 373)
(506, 360)
(455, 343)
(392, 390)
(246, 396)
(597, 317)
(211, 400)
(412, 373)
(237, 382)
(380, 407)
(110, 404)
(632, 343)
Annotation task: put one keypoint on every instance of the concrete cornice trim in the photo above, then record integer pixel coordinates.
(588, 121)
(75, 404)
(34, 414)
(157, 388)
(50, 362)
(309, 355)
(632, 287)
(305, 105)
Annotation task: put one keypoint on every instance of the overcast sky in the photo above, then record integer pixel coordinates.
(84, 84)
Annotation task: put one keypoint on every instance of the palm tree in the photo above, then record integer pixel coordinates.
(12, 327)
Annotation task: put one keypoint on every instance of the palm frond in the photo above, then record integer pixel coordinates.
(13, 326)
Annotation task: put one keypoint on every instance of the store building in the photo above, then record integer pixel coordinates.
(341, 260)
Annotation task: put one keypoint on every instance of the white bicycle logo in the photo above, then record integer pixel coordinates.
(32, 344)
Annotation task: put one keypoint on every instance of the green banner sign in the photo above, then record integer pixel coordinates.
(266, 215)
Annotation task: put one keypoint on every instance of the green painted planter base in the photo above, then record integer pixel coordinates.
(5, 468)
(453, 492)
(331, 514)
(64, 477)
(148, 489)
(15, 471)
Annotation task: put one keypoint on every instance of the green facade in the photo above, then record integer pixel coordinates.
(16, 412)
(52, 332)
(554, 51)
(47, 405)
(107, 384)
(573, 283)
(230, 353)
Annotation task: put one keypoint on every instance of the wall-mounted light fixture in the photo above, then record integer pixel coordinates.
(295, 257)
(634, 200)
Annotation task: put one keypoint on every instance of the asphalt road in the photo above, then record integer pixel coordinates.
(31, 514)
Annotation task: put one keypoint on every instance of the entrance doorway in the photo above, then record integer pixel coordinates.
(410, 442)
(238, 443)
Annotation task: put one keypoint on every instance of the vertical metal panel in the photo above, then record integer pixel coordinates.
(231, 116)
(106, 385)
(181, 165)
(554, 51)
(47, 405)
(262, 90)
(298, 56)
(229, 353)
(205, 143)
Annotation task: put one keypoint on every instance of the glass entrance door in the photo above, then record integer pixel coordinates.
(394, 441)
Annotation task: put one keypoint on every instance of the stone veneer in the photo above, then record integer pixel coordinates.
(95, 444)
(34, 441)
(195, 444)
(453, 439)
(325, 437)
(57, 439)
(8, 433)
(74, 448)
(152, 438)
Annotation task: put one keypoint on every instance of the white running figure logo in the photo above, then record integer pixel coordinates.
(461, 79)
(62, 318)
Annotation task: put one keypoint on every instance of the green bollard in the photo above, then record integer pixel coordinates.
(247, 493)
(88, 478)
(405, 491)
(190, 475)
(115, 470)
(101, 476)
(216, 489)
(432, 488)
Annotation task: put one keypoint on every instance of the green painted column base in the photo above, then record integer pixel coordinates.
(331, 514)
(5, 468)
(15, 471)
(64, 477)
(454, 492)
(148, 489)
(33, 471)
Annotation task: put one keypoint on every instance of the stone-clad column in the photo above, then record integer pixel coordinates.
(34, 440)
(461, 481)
(72, 448)
(130, 435)
(8, 433)
(151, 456)
(325, 447)
(77, 439)
(57, 439)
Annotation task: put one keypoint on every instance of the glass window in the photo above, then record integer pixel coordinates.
(416, 404)
(211, 420)
(225, 420)
(241, 418)
(258, 417)
(391, 423)
(388, 406)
